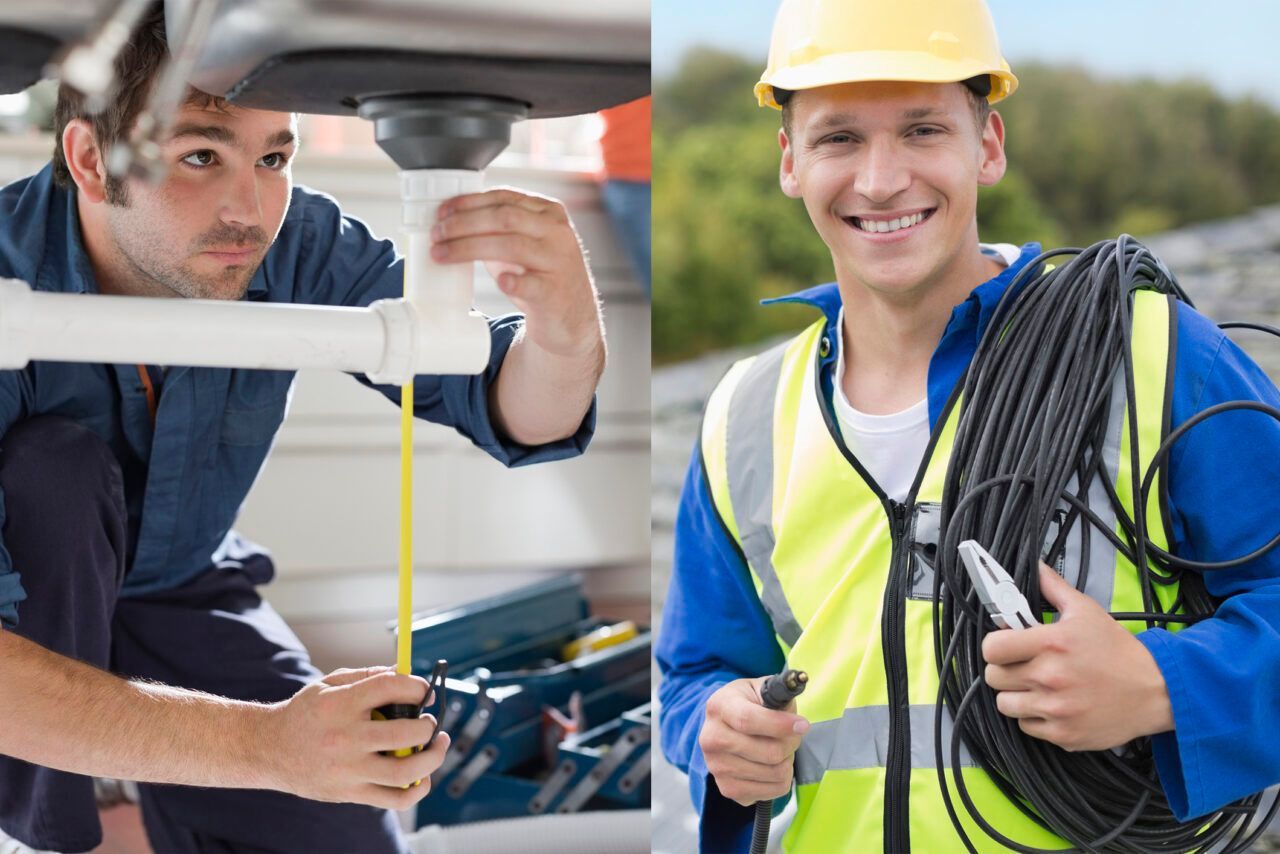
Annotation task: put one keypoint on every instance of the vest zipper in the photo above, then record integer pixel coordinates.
(897, 835)
(897, 784)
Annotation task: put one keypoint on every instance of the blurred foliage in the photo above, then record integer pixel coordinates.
(1089, 158)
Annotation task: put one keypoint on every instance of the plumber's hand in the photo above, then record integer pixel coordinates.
(531, 249)
(321, 744)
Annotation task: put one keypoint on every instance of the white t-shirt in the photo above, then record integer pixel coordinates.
(891, 447)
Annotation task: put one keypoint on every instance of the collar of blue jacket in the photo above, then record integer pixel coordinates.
(959, 340)
(187, 474)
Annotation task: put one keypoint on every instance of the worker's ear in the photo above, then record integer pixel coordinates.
(992, 167)
(787, 169)
(84, 160)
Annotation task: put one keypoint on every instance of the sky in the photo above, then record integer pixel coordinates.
(1230, 43)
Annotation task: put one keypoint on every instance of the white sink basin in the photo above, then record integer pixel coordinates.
(560, 57)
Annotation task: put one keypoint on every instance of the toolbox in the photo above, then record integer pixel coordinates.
(533, 733)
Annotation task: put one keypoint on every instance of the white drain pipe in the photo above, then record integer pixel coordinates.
(594, 832)
(433, 331)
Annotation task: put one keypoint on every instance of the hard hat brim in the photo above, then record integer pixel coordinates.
(866, 66)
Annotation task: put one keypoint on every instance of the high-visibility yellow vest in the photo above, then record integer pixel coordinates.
(839, 570)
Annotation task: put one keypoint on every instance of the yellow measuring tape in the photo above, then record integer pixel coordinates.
(404, 615)
(403, 631)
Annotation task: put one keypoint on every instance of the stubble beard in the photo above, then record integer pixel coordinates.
(146, 255)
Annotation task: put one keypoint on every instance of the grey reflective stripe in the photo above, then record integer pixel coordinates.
(860, 739)
(1102, 554)
(749, 469)
(1100, 583)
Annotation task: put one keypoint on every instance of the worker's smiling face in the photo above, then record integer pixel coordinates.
(204, 230)
(889, 173)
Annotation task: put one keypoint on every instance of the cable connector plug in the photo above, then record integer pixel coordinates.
(780, 689)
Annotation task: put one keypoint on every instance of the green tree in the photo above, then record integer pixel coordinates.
(1089, 157)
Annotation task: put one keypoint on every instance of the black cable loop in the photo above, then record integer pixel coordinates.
(1246, 324)
(1166, 448)
(1036, 405)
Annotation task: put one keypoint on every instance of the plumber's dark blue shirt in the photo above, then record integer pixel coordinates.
(186, 476)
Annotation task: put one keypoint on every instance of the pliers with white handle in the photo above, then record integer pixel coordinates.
(1006, 605)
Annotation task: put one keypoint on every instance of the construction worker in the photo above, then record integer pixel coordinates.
(815, 460)
(120, 485)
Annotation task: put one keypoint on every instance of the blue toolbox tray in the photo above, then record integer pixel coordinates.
(505, 670)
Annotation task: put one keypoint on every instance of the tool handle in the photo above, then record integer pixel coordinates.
(776, 693)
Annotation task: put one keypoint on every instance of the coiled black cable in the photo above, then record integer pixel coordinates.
(1028, 445)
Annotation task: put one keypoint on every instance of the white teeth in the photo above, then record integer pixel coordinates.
(886, 225)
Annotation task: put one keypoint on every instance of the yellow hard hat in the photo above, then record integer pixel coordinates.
(823, 42)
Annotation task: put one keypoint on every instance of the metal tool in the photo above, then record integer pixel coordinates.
(141, 155)
(996, 591)
(611, 760)
(89, 65)
(508, 680)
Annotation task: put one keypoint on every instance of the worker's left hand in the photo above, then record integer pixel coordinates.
(531, 249)
(1083, 682)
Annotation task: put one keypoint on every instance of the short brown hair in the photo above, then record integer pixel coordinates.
(981, 107)
(136, 68)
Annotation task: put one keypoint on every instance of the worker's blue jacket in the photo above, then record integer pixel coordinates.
(1223, 674)
(186, 476)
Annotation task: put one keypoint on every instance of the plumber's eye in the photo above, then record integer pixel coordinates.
(200, 159)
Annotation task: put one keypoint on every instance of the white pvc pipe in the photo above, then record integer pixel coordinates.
(595, 832)
(441, 294)
(208, 333)
(433, 331)
(389, 341)
(445, 288)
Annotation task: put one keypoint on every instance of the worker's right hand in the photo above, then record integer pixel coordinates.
(324, 746)
(749, 748)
